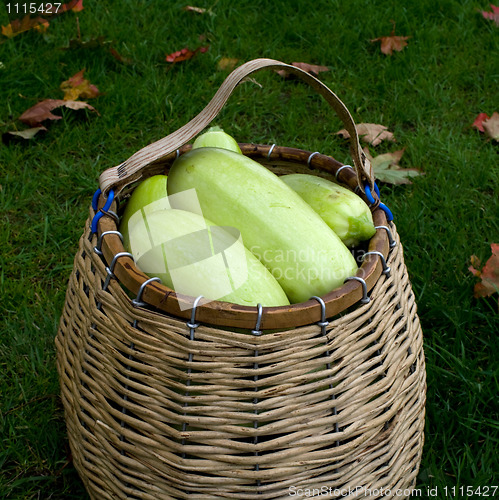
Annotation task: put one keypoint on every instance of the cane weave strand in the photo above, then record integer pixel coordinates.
(157, 410)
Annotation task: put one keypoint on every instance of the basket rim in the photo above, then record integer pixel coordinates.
(226, 314)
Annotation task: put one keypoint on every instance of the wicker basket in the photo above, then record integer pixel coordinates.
(322, 398)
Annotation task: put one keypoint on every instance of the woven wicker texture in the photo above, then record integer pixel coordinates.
(158, 410)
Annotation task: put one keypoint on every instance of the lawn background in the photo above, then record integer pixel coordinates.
(428, 95)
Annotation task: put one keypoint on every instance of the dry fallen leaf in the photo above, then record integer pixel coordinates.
(387, 169)
(43, 111)
(313, 69)
(184, 54)
(119, 57)
(227, 63)
(75, 6)
(478, 123)
(372, 133)
(18, 26)
(392, 42)
(493, 16)
(26, 134)
(489, 275)
(77, 86)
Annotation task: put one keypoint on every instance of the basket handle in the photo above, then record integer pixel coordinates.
(116, 178)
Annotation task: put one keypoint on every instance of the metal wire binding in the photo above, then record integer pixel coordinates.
(340, 169)
(323, 323)
(97, 248)
(137, 302)
(392, 243)
(270, 151)
(365, 298)
(192, 325)
(256, 332)
(112, 214)
(386, 267)
(110, 269)
(311, 156)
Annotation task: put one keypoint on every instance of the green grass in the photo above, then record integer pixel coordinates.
(428, 95)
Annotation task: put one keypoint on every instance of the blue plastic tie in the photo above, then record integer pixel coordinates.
(370, 199)
(105, 208)
(95, 199)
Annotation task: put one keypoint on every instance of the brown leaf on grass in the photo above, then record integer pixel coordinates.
(372, 133)
(493, 16)
(184, 54)
(119, 57)
(392, 42)
(227, 63)
(27, 23)
(77, 86)
(387, 169)
(313, 69)
(43, 111)
(489, 274)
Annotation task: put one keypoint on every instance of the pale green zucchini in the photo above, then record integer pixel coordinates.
(150, 195)
(195, 257)
(215, 137)
(305, 256)
(345, 213)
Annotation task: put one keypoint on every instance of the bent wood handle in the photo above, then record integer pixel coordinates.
(118, 177)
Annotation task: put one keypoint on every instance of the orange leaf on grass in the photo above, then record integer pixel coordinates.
(75, 6)
(489, 274)
(493, 16)
(43, 111)
(184, 54)
(77, 86)
(25, 24)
